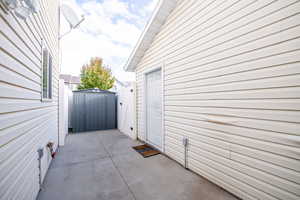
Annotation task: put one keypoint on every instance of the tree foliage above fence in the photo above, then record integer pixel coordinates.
(96, 75)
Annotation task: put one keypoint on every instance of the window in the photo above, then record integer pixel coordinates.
(46, 75)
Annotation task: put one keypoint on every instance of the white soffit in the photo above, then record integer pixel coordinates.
(159, 16)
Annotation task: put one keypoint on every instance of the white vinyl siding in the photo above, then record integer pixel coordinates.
(232, 86)
(26, 122)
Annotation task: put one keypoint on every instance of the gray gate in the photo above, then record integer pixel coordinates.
(94, 110)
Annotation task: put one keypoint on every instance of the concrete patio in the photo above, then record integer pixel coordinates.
(102, 165)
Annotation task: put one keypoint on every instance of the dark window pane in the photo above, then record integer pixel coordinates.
(50, 77)
(45, 73)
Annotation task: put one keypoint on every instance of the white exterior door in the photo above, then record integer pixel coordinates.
(154, 108)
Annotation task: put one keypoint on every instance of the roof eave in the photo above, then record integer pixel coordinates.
(159, 16)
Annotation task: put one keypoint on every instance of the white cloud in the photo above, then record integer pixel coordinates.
(151, 5)
(148, 8)
(109, 31)
(120, 31)
(79, 47)
(112, 8)
(111, 19)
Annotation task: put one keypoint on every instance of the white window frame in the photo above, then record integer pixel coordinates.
(49, 95)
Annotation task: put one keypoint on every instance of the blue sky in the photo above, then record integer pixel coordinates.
(110, 30)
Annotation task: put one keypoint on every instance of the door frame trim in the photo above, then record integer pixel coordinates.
(144, 95)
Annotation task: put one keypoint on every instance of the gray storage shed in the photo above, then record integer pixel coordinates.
(93, 110)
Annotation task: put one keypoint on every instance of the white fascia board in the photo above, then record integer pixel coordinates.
(159, 16)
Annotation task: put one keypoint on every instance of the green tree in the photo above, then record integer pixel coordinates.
(95, 75)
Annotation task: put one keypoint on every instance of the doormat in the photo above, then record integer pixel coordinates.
(146, 150)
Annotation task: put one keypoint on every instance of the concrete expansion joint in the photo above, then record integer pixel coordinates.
(118, 170)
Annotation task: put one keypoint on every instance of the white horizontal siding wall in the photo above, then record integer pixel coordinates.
(26, 123)
(232, 86)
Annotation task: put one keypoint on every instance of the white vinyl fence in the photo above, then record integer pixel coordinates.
(126, 109)
(63, 111)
